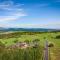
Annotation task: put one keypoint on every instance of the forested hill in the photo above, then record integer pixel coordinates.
(27, 29)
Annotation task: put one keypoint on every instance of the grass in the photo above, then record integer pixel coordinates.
(49, 36)
(42, 37)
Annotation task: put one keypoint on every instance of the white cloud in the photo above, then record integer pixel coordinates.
(11, 11)
(12, 17)
(54, 25)
(51, 25)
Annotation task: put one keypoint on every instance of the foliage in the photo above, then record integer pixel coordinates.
(58, 37)
(51, 45)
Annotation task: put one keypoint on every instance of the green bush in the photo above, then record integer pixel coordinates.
(58, 37)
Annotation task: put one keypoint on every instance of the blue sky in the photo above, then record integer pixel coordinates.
(30, 13)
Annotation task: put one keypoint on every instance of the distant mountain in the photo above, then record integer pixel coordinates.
(26, 29)
(1, 28)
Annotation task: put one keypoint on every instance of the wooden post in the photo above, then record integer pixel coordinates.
(46, 57)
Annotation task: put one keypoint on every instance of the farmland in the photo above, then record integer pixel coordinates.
(8, 39)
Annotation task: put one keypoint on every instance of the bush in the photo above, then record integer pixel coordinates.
(27, 41)
(2, 45)
(36, 42)
(58, 37)
(15, 41)
(51, 45)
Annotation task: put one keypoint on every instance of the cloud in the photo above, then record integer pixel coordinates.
(54, 25)
(10, 11)
(38, 25)
(50, 25)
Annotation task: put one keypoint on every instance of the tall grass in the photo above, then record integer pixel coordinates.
(21, 54)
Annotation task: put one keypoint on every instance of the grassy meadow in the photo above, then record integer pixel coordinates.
(8, 39)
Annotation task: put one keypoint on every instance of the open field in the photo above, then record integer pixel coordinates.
(9, 39)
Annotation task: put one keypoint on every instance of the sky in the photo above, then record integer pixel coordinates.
(30, 14)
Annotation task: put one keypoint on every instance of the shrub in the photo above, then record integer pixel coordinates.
(51, 45)
(58, 37)
(2, 45)
(27, 41)
(36, 42)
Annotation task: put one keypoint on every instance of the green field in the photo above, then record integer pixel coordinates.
(52, 37)
(49, 36)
